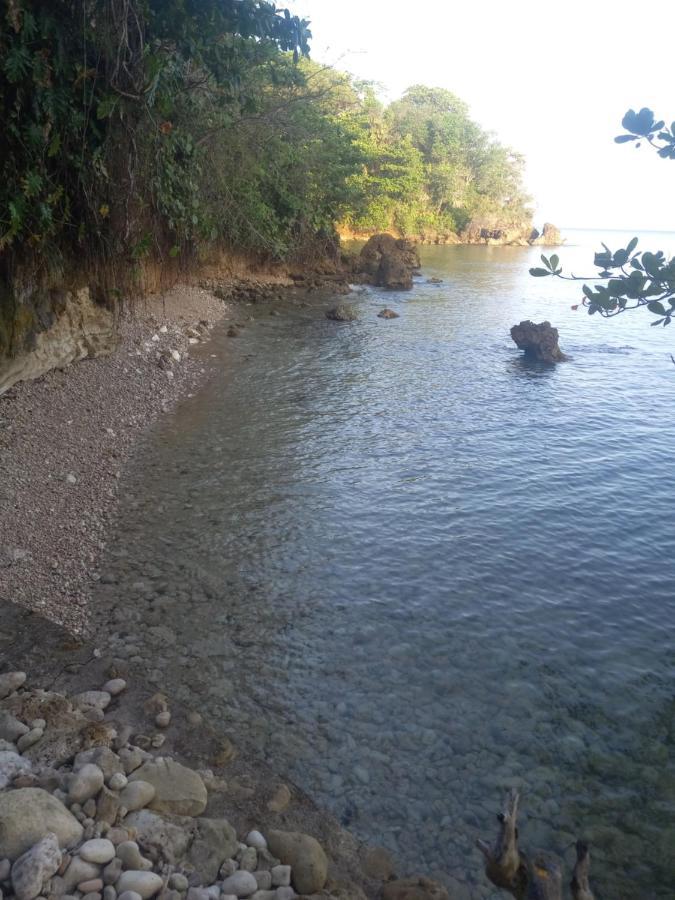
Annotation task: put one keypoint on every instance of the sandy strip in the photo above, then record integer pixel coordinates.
(64, 440)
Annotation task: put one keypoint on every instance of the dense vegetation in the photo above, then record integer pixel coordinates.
(147, 127)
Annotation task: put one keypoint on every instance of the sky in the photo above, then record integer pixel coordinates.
(553, 80)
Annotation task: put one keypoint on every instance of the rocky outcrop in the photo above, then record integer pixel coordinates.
(548, 237)
(539, 342)
(389, 262)
(488, 230)
(36, 337)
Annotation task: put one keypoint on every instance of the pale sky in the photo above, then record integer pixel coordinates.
(553, 80)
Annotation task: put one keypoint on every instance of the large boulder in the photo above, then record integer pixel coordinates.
(305, 855)
(539, 342)
(389, 262)
(29, 814)
(178, 790)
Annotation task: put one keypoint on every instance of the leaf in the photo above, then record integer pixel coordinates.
(588, 291)
(546, 262)
(539, 273)
(554, 261)
(54, 145)
(624, 138)
(657, 308)
(632, 244)
(106, 107)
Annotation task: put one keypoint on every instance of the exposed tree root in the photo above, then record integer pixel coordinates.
(535, 876)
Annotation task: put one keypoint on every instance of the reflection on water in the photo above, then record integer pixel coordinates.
(412, 570)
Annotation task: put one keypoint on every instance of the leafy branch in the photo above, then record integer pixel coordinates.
(629, 280)
(642, 126)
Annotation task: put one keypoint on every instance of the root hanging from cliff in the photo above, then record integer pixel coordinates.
(526, 876)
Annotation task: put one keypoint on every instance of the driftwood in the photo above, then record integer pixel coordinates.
(525, 876)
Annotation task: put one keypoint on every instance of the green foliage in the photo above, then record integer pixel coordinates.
(429, 167)
(96, 96)
(628, 279)
(139, 127)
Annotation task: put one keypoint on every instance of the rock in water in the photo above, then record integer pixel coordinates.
(178, 790)
(36, 866)
(343, 312)
(387, 314)
(305, 855)
(27, 815)
(390, 262)
(539, 342)
(549, 237)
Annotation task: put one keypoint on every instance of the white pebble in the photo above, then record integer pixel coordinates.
(115, 686)
(99, 851)
(137, 794)
(85, 783)
(162, 719)
(27, 740)
(146, 884)
(241, 884)
(284, 893)
(117, 781)
(281, 876)
(255, 839)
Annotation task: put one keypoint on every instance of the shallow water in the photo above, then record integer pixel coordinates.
(413, 570)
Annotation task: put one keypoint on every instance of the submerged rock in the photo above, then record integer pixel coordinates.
(538, 341)
(387, 314)
(343, 312)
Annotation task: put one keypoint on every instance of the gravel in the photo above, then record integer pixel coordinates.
(64, 439)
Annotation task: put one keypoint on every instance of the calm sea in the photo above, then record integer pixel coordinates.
(413, 570)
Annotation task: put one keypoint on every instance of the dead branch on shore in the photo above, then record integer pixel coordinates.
(530, 877)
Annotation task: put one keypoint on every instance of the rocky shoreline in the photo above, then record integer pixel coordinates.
(65, 438)
(76, 754)
(109, 791)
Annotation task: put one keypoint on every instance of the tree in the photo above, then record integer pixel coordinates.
(628, 279)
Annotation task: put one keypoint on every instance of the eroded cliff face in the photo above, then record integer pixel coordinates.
(43, 329)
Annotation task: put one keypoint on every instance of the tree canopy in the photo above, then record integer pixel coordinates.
(138, 127)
